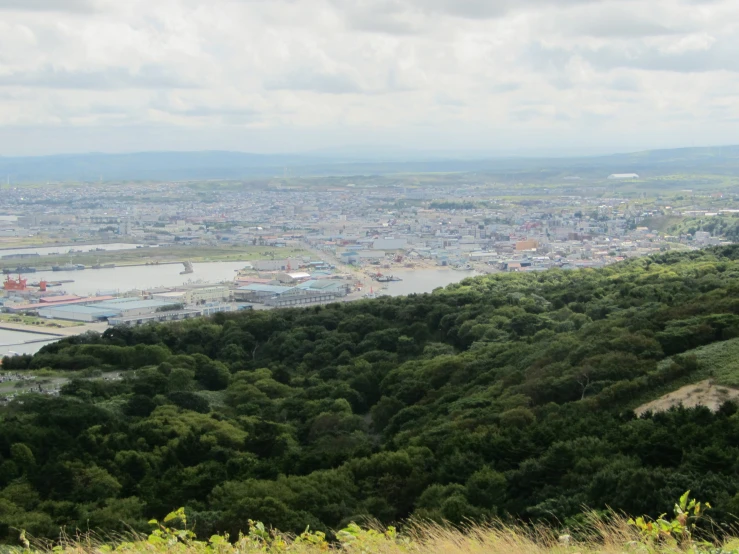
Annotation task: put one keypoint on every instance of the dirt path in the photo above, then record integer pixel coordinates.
(699, 394)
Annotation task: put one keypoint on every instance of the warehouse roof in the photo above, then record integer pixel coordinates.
(266, 288)
(76, 309)
(89, 299)
(136, 304)
(323, 284)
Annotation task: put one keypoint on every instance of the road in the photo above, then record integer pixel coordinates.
(358, 274)
(57, 332)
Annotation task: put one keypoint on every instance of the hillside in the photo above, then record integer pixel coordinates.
(504, 396)
(199, 165)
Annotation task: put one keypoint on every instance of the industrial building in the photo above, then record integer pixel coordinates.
(296, 297)
(258, 292)
(76, 312)
(173, 315)
(196, 294)
(390, 243)
(306, 293)
(106, 310)
(276, 265)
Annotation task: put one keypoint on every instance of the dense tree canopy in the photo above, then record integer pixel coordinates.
(506, 396)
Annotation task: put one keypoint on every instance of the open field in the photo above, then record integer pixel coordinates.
(141, 256)
(37, 321)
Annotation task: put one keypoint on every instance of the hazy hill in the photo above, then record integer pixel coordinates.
(236, 165)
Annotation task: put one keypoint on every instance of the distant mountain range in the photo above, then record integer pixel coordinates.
(178, 166)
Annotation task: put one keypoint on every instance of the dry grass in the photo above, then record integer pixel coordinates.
(614, 537)
(704, 393)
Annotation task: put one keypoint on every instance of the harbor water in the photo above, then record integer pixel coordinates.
(18, 342)
(122, 279)
(423, 280)
(116, 280)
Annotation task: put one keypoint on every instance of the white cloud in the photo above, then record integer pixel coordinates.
(259, 75)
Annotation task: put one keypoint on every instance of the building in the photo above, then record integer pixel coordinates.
(330, 286)
(129, 307)
(276, 265)
(174, 315)
(292, 278)
(527, 245)
(350, 257)
(297, 297)
(258, 293)
(623, 176)
(74, 312)
(390, 243)
(211, 293)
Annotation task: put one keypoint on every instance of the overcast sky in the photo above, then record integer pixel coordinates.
(497, 76)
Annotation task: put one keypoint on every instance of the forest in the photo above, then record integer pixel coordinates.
(508, 396)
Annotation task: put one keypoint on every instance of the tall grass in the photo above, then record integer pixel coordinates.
(615, 536)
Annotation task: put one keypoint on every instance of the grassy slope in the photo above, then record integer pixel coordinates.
(718, 360)
(138, 256)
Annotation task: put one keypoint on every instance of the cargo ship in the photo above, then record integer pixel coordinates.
(386, 278)
(19, 284)
(20, 269)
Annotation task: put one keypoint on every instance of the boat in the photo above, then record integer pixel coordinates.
(465, 267)
(188, 268)
(25, 269)
(387, 278)
(98, 265)
(15, 284)
(79, 267)
(65, 267)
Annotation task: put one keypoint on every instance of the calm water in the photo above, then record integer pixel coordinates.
(13, 342)
(121, 279)
(44, 250)
(424, 280)
(89, 282)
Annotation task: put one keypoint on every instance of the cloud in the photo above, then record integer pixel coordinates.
(109, 78)
(618, 23)
(48, 5)
(293, 74)
(394, 15)
(314, 81)
(702, 57)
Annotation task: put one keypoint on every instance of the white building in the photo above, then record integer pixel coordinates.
(275, 265)
(389, 243)
(623, 176)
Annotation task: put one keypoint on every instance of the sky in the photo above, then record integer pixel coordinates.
(497, 77)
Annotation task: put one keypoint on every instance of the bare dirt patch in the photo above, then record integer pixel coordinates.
(703, 393)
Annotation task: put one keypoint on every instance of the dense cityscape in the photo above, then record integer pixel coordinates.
(281, 244)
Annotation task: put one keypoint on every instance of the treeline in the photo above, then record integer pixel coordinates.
(508, 395)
